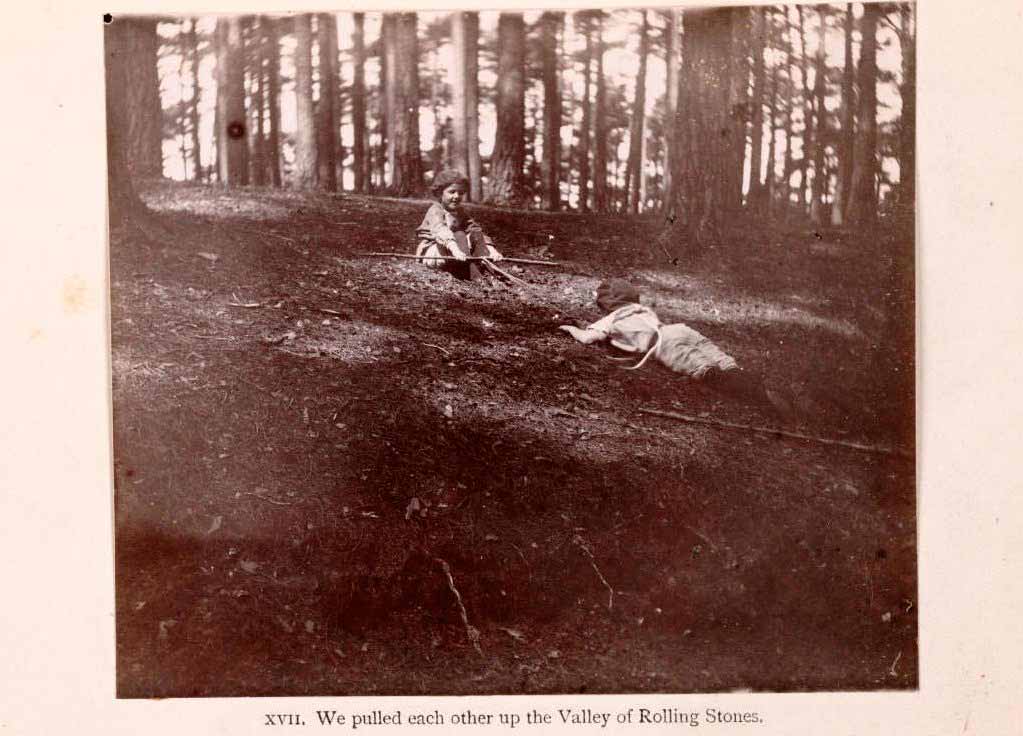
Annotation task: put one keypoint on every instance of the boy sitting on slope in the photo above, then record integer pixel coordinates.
(448, 231)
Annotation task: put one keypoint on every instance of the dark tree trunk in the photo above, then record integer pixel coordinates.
(820, 179)
(790, 105)
(672, 61)
(118, 46)
(327, 143)
(233, 148)
(407, 178)
(907, 123)
(472, 103)
(257, 99)
(273, 99)
(552, 23)
(583, 150)
(754, 200)
(705, 183)
(145, 135)
(634, 170)
(389, 82)
(738, 104)
(193, 107)
(808, 135)
(459, 94)
(359, 102)
(305, 126)
(600, 198)
(772, 144)
(846, 148)
(862, 205)
(505, 183)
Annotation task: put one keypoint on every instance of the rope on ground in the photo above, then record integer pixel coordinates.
(879, 449)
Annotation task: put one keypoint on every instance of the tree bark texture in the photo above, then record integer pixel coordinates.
(145, 134)
(233, 147)
(551, 23)
(862, 205)
(273, 99)
(634, 170)
(505, 182)
(407, 176)
(359, 102)
(327, 139)
(704, 190)
(305, 126)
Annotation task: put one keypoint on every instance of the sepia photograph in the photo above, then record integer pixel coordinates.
(514, 352)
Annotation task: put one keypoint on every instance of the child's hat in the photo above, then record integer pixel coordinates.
(614, 293)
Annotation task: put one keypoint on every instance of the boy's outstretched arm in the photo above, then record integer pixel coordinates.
(585, 336)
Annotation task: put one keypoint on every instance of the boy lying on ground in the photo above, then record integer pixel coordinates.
(448, 231)
(634, 327)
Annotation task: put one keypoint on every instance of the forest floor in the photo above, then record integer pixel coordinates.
(338, 474)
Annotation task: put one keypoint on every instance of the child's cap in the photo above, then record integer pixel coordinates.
(443, 179)
(615, 293)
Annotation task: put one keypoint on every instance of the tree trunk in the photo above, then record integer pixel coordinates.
(755, 197)
(359, 102)
(459, 94)
(600, 141)
(273, 99)
(145, 134)
(305, 125)
(471, 22)
(846, 147)
(119, 45)
(407, 173)
(233, 149)
(634, 170)
(193, 107)
(704, 186)
(820, 179)
(907, 123)
(790, 105)
(505, 184)
(672, 63)
(551, 23)
(862, 205)
(738, 103)
(439, 125)
(326, 110)
(583, 150)
(808, 135)
(257, 95)
(772, 144)
(389, 80)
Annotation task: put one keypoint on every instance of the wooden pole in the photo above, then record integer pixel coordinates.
(467, 258)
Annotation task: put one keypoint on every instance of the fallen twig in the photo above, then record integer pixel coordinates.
(470, 631)
(329, 311)
(502, 272)
(467, 258)
(891, 670)
(437, 347)
(250, 305)
(261, 497)
(880, 449)
(702, 536)
(578, 541)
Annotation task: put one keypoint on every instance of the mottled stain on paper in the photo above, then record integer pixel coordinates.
(75, 295)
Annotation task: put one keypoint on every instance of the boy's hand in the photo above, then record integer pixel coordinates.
(456, 252)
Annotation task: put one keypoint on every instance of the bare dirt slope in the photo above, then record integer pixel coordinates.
(316, 450)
